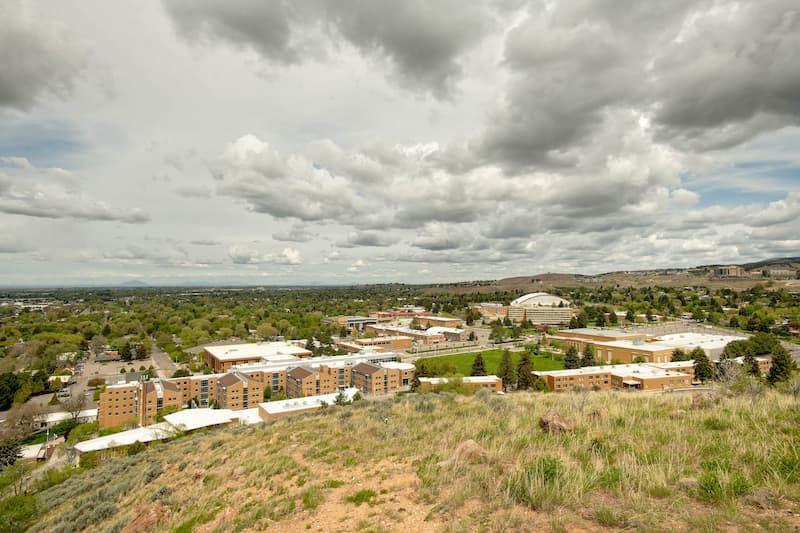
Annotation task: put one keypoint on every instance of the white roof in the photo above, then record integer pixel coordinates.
(641, 346)
(438, 318)
(693, 340)
(539, 299)
(191, 419)
(30, 452)
(51, 418)
(309, 402)
(642, 370)
(407, 331)
(125, 438)
(337, 361)
(272, 351)
(443, 330)
(467, 379)
(398, 366)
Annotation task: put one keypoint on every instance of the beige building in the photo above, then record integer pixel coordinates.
(635, 376)
(436, 321)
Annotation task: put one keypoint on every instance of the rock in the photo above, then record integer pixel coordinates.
(553, 422)
(146, 520)
(468, 451)
(599, 413)
(762, 498)
(688, 483)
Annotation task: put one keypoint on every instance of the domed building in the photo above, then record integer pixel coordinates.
(540, 308)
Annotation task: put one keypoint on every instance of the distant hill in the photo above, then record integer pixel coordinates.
(665, 277)
(134, 283)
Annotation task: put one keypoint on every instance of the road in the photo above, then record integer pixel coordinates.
(164, 366)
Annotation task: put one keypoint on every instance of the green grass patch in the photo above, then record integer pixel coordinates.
(462, 363)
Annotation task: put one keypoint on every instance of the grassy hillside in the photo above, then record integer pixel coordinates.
(644, 462)
(462, 363)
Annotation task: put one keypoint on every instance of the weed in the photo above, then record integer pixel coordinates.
(362, 496)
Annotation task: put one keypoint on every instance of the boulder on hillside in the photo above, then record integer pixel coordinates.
(468, 451)
(553, 422)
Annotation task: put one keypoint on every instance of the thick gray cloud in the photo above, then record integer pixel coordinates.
(264, 26)
(421, 42)
(37, 56)
(333, 141)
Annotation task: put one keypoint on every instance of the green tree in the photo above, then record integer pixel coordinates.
(571, 359)
(782, 365)
(10, 451)
(678, 354)
(506, 369)
(751, 365)
(478, 366)
(524, 372)
(125, 352)
(588, 356)
(703, 368)
(629, 316)
(498, 332)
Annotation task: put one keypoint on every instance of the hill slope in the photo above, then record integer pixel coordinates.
(648, 462)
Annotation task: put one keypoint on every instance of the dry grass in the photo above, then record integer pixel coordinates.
(652, 464)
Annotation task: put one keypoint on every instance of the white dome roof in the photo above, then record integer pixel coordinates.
(540, 299)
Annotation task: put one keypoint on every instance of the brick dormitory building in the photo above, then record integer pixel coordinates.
(241, 385)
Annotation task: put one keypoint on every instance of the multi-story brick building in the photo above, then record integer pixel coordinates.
(244, 385)
(237, 391)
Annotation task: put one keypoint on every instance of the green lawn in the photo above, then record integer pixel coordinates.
(462, 363)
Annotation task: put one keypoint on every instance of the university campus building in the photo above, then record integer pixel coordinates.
(242, 386)
(626, 347)
(537, 308)
(640, 376)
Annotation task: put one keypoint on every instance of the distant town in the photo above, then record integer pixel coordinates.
(139, 365)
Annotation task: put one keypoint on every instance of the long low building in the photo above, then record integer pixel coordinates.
(627, 347)
(419, 336)
(641, 376)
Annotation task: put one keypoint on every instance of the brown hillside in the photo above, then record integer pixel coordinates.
(646, 462)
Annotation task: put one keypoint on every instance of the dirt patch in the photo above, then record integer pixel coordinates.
(146, 520)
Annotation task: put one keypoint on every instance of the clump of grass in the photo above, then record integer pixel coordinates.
(312, 497)
(362, 496)
(610, 517)
(332, 484)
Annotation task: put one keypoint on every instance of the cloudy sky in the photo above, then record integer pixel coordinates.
(363, 141)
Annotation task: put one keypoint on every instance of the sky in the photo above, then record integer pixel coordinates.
(219, 142)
